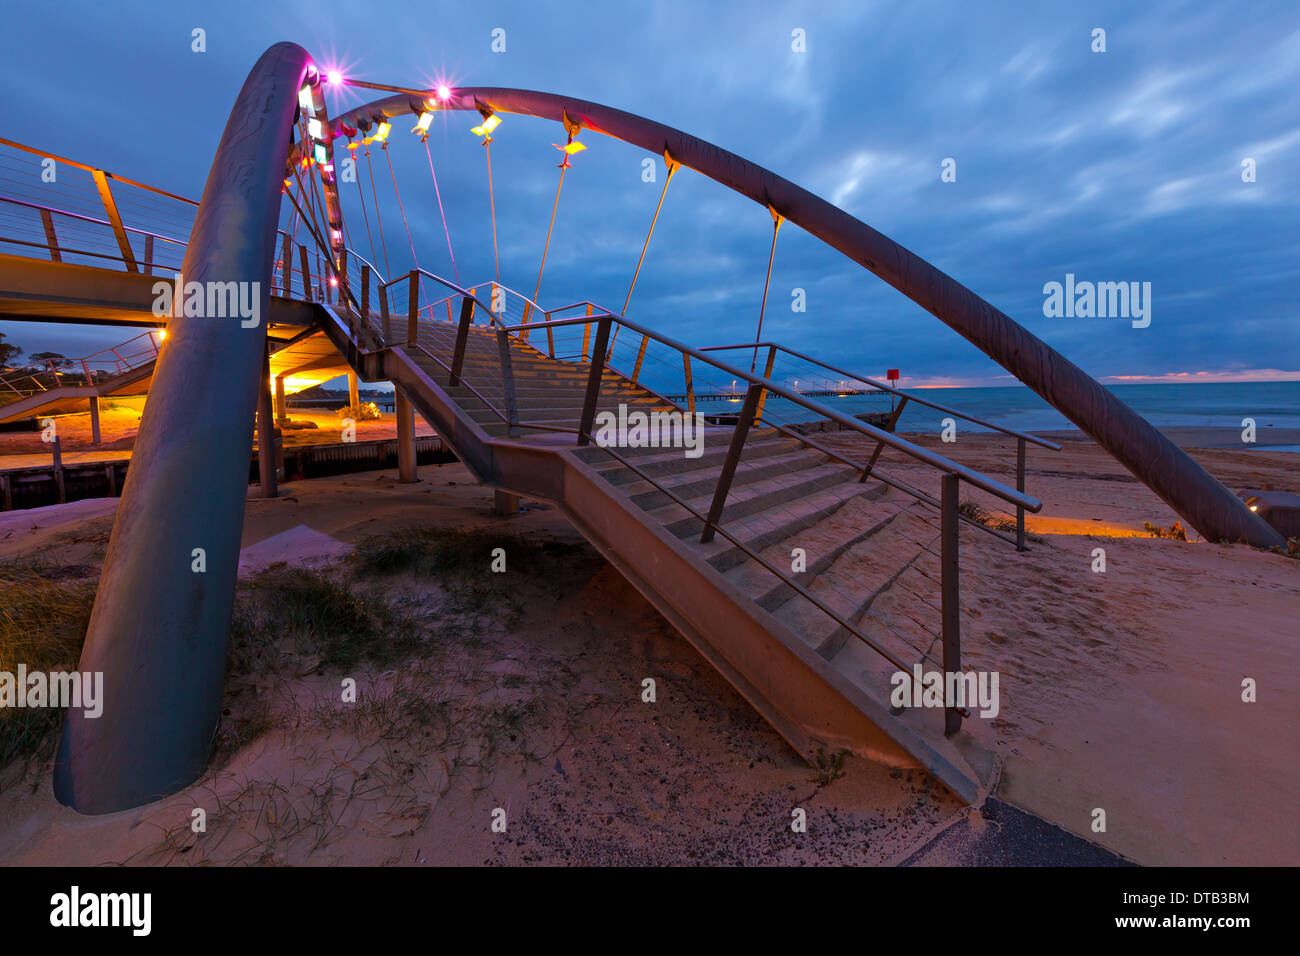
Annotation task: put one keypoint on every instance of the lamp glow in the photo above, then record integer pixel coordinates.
(334, 78)
(423, 125)
(304, 98)
(314, 128)
(489, 124)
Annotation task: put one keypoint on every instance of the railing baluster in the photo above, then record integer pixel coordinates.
(115, 220)
(51, 239)
(586, 335)
(306, 273)
(949, 525)
(690, 384)
(286, 266)
(508, 383)
(148, 255)
(640, 357)
(412, 307)
(880, 445)
(462, 336)
(747, 410)
(365, 297)
(593, 380)
(767, 373)
(1020, 486)
(383, 316)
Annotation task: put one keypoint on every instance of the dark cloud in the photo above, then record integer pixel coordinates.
(1123, 165)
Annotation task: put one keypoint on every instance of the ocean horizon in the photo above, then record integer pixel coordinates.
(1272, 405)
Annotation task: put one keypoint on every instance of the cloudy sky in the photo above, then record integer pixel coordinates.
(1123, 165)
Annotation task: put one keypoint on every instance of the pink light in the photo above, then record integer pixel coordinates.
(444, 92)
(334, 78)
(334, 280)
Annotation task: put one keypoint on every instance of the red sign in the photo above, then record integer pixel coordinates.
(892, 375)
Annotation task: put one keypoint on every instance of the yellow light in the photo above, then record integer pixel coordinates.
(571, 148)
(304, 97)
(381, 134)
(489, 124)
(162, 334)
(423, 126)
(1254, 507)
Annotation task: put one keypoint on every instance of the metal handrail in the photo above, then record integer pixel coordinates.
(968, 475)
(911, 396)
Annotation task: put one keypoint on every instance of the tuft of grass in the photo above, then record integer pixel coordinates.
(1174, 531)
(829, 767)
(44, 613)
(981, 515)
(322, 617)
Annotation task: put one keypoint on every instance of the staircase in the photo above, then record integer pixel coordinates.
(814, 586)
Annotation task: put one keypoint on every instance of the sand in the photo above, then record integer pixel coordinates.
(1120, 691)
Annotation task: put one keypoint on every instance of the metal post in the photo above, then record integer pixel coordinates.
(593, 380)
(690, 384)
(354, 392)
(405, 438)
(115, 220)
(56, 449)
(747, 410)
(880, 445)
(586, 334)
(640, 357)
(281, 403)
(383, 316)
(306, 273)
(462, 336)
(508, 383)
(948, 527)
(95, 435)
(767, 373)
(266, 430)
(412, 307)
(365, 297)
(1020, 486)
(51, 239)
(148, 255)
(286, 267)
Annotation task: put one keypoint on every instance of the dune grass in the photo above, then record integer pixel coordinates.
(44, 612)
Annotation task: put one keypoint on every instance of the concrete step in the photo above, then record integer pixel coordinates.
(823, 543)
(853, 580)
(750, 499)
(701, 480)
(657, 462)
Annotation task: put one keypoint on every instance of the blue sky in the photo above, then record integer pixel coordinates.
(1117, 166)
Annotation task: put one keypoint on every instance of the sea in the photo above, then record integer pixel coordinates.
(1272, 406)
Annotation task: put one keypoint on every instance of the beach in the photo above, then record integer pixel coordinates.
(1120, 690)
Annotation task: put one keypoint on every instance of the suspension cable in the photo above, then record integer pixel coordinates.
(777, 219)
(672, 168)
(436, 192)
(370, 241)
(496, 261)
(419, 279)
(379, 219)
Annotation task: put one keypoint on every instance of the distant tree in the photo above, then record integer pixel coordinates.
(54, 358)
(8, 352)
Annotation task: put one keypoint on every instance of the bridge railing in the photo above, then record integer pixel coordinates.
(57, 371)
(767, 410)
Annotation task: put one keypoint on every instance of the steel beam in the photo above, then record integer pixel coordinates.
(1200, 499)
(161, 620)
